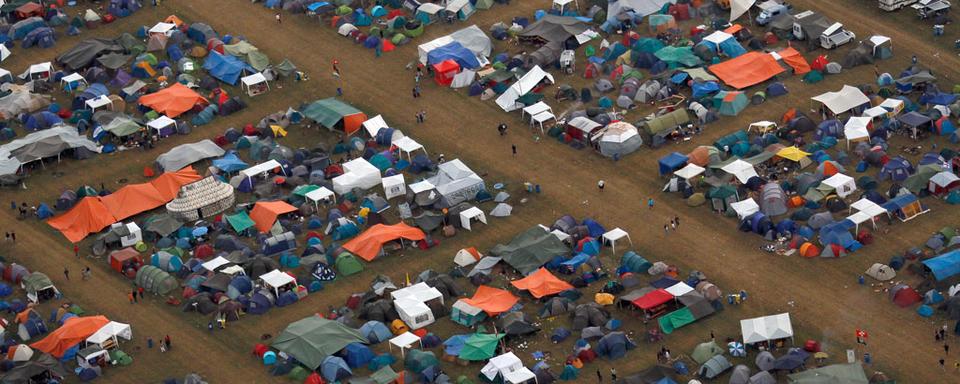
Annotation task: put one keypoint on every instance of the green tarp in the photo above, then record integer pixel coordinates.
(675, 320)
(328, 112)
(677, 56)
(303, 190)
(312, 339)
(240, 221)
(831, 374)
(480, 346)
(384, 375)
(530, 250)
(35, 282)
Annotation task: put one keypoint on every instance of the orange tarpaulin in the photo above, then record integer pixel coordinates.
(264, 213)
(747, 69)
(491, 300)
(368, 244)
(93, 213)
(733, 29)
(542, 283)
(173, 100)
(72, 332)
(173, 19)
(795, 60)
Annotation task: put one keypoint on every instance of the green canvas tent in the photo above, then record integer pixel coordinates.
(240, 221)
(418, 361)
(348, 264)
(730, 103)
(330, 112)
(384, 375)
(667, 121)
(530, 250)
(676, 319)
(705, 351)
(155, 280)
(831, 374)
(480, 346)
(483, 4)
(313, 338)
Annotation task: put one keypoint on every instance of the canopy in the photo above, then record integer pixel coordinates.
(369, 244)
(509, 367)
(186, 154)
(766, 328)
(276, 279)
(740, 169)
(792, 153)
(533, 77)
(72, 332)
(541, 283)
(653, 299)
(173, 100)
(745, 208)
(112, 330)
(312, 339)
(690, 171)
(739, 7)
(265, 213)
(491, 300)
(843, 100)
(843, 184)
(41, 144)
(748, 69)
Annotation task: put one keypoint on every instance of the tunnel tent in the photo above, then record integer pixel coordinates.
(335, 114)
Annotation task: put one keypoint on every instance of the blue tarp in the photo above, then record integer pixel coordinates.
(456, 52)
(944, 266)
(225, 68)
(705, 88)
(315, 6)
(938, 98)
(897, 203)
(230, 163)
(672, 162)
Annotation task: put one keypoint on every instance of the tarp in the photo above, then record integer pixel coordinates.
(186, 154)
(640, 7)
(945, 265)
(748, 69)
(533, 77)
(541, 283)
(843, 100)
(72, 332)
(329, 112)
(530, 250)
(369, 244)
(264, 213)
(312, 339)
(456, 52)
(173, 100)
(85, 52)
(38, 145)
(480, 346)
(131, 200)
(552, 28)
(837, 373)
(766, 328)
(240, 221)
(676, 319)
(795, 60)
(491, 300)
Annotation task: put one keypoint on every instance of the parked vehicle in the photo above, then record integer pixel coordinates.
(770, 9)
(835, 36)
(893, 5)
(931, 8)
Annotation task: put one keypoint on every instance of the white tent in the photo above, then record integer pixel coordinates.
(21, 352)
(134, 234)
(533, 77)
(161, 123)
(855, 129)
(584, 124)
(41, 71)
(4, 52)
(346, 29)
(739, 7)
(276, 279)
(394, 186)
(410, 303)
(745, 208)
(689, 171)
(464, 258)
(895, 106)
(162, 28)
(215, 263)
(679, 289)
(255, 84)
(98, 102)
(405, 341)
(469, 214)
(358, 173)
(509, 367)
(463, 79)
(640, 7)
(844, 185)
(374, 125)
(615, 234)
(874, 112)
(67, 80)
(260, 169)
(111, 332)
(407, 145)
(740, 169)
(424, 49)
(472, 38)
(880, 272)
(456, 182)
(718, 37)
(843, 100)
(766, 328)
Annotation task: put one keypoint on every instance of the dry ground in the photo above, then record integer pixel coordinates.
(822, 295)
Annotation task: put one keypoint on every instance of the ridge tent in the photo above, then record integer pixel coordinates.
(730, 103)
(173, 100)
(531, 80)
(335, 114)
(766, 328)
(456, 183)
(265, 213)
(453, 51)
(358, 173)
(837, 373)
(746, 70)
(369, 244)
(313, 339)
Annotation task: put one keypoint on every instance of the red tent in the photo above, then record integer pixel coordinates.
(29, 10)
(118, 258)
(906, 297)
(445, 71)
(819, 64)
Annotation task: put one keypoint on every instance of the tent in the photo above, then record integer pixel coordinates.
(766, 328)
(705, 351)
(445, 71)
(456, 183)
(795, 60)
(74, 331)
(455, 52)
(746, 70)
(265, 213)
(335, 114)
(186, 154)
(226, 68)
(552, 28)
(714, 367)
(357, 173)
(842, 101)
(173, 100)
(508, 368)
(944, 266)
(672, 162)
(530, 250)
(39, 287)
(508, 99)
(491, 300)
(880, 272)
(842, 184)
(369, 244)
(837, 373)
(310, 340)
(722, 42)
(541, 283)
(480, 347)
(730, 103)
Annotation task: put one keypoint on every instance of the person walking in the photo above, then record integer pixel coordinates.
(666, 229)
(613, 374)
(140, 291)
(946, 349)
(76, 250)
(7, 235)
(676, 219)
(279, 18)
(163, 347)
(513, 147)
(166, 340)
(650, 202)
(131, 297)
(502, 129)
(133, 293)
(149, 342)
(13, 236)
(599, 376)
(13, 204)
(711, 335)
(600, 185)
(85, 274)
(66, 273)
(673, 225)
(210, 326)
(441, 159)
(415, 93)
(942, 367)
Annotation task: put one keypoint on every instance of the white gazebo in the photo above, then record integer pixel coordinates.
(4, 52)
(255, 84)
(107, 337)
(844, 185)
(321, 194)
(162, 29)
(276, 279)
(856, 129)
(98, 102)
(740, 169)
(469, 214)
(745, 208)
(73, 81)
(539, 114)
(866, 211)
(615, 234)
(163, 125)
(766, 328)
(509, 367)
(394, 186)
(41, 71)
(405, 341)
(215, 263)
(689, 171)
(407, 145)
(374, 124)
(260, 169)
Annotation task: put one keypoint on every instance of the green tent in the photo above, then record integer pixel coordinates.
(240, 48)
(418, 361)
(122, 126)
(813, 77)
(328, 112)
(384, 375)
(483, 4)
(86, 191)
(721, 197)
(921, 179)
(480, 346)
(303, 190)
(285, 68)
(678, 56)
(348, 264)
(648, 45)
(258, 60)
(313, 338)
(155, 280)
(676, 319)
(706, 351)
(240, 221)
(530, 250)
(831, 374)
(36, 282)
(730, 103)
(635, 263)
(667, 121)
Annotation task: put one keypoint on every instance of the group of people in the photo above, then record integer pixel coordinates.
(165, 344)
(133, 295)
(674, 225)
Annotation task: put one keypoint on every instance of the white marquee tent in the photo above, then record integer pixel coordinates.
(394, 186)
(766, 328)
(843, 100)
(745, 208)
(358, 173)
(509, 367)
(467, 215)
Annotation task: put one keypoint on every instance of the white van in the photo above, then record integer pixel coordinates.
(893, 5)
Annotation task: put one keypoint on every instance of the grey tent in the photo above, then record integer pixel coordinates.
(556, 306)
(285, 68)
(544, 56)
(603, 85)
(155, 280)
(703, 352)
(484, 266)
(86, 52)
(501, 210)
(861, 55)
(591, 333)
(456, 183)
(530, 250)
(740, 375)
(619, 139)
(773, 200)
(516, 324)
(833, 68)
(186, 154)
(614, 345)
(764, 361)
(163, 224)
(38, 145)
(714, 367)
(820, 219)
(588, 315)
(551, 28)
(114, 60)
(24, 372)
(762, 377)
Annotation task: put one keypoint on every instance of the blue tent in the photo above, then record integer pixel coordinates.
(41, 120)
(575, 262)
(44, 212)
(594, 228)
(614, 345)
(897, 169)
(705, 88)
(230, 163)
(375, 332)
(174, 53)
(225, 68)
(356, 355)
(40, 37)
(938, 98)
(456, 52)
(730, 47)
(945, 265)
(123, 8)
(334, 369)
(24, 27)
(454, 344)
(321, 4)
(828, 128)
(776, 89)
(838, 233)
(672, 162)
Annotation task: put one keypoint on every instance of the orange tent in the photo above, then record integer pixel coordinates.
(795, 60)
(169, 183)
(809, 250)
(369, 243)
(491, 300)
(173, 100)
(265, 213)
(747, 69)
(131, 200)
(173, 19)
(72, 332)
(88, 216)
(542, 283)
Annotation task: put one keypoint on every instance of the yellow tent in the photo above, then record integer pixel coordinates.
(792, 153)
(603, 298)
(278, 131)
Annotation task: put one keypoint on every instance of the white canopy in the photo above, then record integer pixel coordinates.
(4, 53)
(422, 186)
(394, 186)
(111, 331)
(855, 129)
(509, 366)
(456, 5)
(739, 7)
(420, 292)
(508, 100)
(261, 168)
(866, 206)
(405, 341)
(276, 279)
(320, 194)
(99, 101)
(415, 314)
(740, 169)
(584, 124)
(4, 72)
(374, 125)
(358, 173)
(429, 8)
(843, 100)
(679, 289)
(40, 68)
(407, 145)
(616, 234)
(745, 208)
(463, 79)
(250, 81)
(535, 109)
(71, 78)
(164, 28)
(689, 171)
(766, 328)
(892, 105)
(843, 184)
(875, 112)
(215, 263)
(718, 37)
(162, 122)
(470, 214)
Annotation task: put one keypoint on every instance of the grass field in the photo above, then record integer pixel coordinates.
(822, 295)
